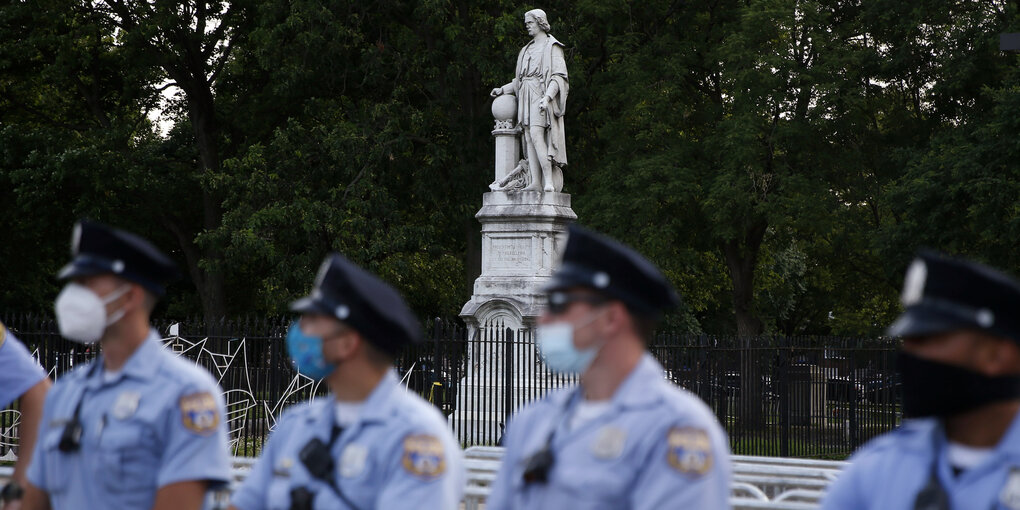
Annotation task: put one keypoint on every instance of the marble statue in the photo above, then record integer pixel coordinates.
(540, 84)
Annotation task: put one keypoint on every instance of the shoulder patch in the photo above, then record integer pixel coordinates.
(689, 450)
(424, 456)
(199, 413)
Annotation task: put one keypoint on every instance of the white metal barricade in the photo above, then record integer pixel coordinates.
(766, 483)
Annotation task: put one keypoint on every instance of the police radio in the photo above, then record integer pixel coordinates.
(301, 499)
(70, 438)
(536, 466)
(315, 456)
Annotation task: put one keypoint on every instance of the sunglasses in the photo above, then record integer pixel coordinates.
(558, 302)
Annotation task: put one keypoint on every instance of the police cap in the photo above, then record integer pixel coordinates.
(100, 249)
(364, 302)
(597, 262)
(942, 294)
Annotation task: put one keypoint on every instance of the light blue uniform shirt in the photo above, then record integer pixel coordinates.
(889, 471)
(657, 446)
(18, 369)
(399, 453)
(160, 421)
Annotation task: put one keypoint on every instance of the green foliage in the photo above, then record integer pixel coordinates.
(779, 159)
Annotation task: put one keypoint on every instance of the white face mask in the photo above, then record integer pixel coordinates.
(81, 314)
(556, 346)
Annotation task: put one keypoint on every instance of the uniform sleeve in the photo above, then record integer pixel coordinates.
(426, 468)
(843, 493)
(37, 467)
(251, 495)
(196, 446)
(500, 497)
(18, 369)
(688, 466)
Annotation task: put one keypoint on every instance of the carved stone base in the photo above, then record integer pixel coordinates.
(523, 234)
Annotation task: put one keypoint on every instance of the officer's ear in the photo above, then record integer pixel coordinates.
(998, 355)
(137, 298)
(348, 343)
(616, 318)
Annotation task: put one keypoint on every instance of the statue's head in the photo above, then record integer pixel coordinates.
(538, 16)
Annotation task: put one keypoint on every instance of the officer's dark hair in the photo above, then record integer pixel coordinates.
(149, 301)
(644, 325)
(375, 355)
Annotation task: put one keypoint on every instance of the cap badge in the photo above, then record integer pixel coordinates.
(323, 269)
(985, 318)
(913, 283)
(600, 280)
(76, 239)
(118, 266)
(342, 312)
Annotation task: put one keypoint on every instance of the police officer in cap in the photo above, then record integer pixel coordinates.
(960, 370)
(139, 427)
(371, 444)
(21, 379)
(625, 437)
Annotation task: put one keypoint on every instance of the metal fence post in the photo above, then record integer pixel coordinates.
(508, 370)
(781, 386)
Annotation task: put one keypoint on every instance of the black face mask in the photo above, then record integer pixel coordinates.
(931, 388)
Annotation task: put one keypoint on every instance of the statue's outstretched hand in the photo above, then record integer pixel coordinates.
(498, 91)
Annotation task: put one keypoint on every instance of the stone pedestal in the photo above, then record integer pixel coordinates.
(522, 236)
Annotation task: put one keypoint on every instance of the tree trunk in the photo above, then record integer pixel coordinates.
(202, 114)
(741, 259)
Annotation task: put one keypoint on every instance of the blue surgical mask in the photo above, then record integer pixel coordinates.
(556, 346)
(306, 353)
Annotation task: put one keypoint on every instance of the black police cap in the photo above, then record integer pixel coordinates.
(597, 262)
(99, 249)
(362, 301)
(942, 294)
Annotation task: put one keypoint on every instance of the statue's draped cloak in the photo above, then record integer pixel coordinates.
(554, 69)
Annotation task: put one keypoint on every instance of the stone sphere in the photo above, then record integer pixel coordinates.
(504, 107)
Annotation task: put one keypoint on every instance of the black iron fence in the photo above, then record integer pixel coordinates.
(801, 397)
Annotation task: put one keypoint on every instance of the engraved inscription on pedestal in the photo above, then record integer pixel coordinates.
(510, 253)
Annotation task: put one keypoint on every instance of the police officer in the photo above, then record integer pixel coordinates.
(139, 427)
(960, 371)
(624, 438)
(371, 444)
(23, 379)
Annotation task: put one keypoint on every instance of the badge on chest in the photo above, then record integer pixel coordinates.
(353, 460)
(126, 404)
(1010, 495)
(609, 443)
